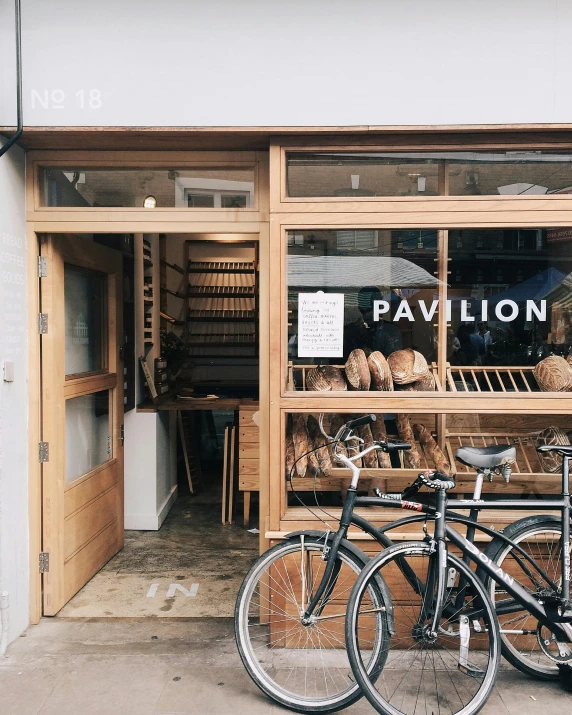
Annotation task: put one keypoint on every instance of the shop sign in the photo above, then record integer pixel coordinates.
(320, 324)
(559, 235)
(503, 310)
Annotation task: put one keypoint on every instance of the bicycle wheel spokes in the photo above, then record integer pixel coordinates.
(448, 672)
(302, 665)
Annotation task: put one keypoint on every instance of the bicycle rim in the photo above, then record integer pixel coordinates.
(454, 671)
(302, 667)
(543, 542)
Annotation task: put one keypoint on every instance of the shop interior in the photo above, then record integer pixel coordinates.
(190, 362)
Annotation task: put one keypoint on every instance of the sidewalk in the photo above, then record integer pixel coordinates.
(163, 667)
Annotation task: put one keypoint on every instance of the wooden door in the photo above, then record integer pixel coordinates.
(82, 413)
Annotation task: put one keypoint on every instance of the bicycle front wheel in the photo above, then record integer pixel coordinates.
(525, 643)
(303, 666)
(452, 671)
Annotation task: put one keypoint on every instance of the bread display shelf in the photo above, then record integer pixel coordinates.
(222, 267)
(297, 376)
(480, 378)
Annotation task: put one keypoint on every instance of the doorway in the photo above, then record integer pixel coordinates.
(206, 331)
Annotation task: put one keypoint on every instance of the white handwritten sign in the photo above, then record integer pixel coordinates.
(320, 324)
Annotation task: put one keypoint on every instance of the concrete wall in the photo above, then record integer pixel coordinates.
(14, 541)
(300, 62)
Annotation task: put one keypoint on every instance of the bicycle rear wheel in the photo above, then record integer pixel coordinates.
(539, 536)
(303, 667)
(450, 672)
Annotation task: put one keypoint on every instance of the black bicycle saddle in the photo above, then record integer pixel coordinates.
(486, 457)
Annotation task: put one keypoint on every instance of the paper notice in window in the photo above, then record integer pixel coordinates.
(320, 324)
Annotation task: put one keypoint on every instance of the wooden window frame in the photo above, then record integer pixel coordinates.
(437, 212)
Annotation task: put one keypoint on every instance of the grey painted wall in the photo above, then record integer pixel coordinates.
(297, 62)
(14, 570)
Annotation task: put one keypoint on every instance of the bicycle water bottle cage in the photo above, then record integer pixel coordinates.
(436, 480)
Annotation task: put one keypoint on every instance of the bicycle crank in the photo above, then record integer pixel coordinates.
(556, 650)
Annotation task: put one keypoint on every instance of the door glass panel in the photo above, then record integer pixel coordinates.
(88, 439)
(84, 297)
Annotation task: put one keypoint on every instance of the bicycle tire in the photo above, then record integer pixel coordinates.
(540, 536)
(304, 668)
(423, 674)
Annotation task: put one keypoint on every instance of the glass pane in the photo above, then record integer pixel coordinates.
(510, 302)
(194, 188)
(354, 174)
(88, 440)
(366, 289)
(84, 298)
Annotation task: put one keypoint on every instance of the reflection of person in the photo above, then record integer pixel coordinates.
(485, 334)
(467, 352)
(382, 335)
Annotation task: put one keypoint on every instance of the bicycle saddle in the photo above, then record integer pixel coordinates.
(561, 448)
(486, 457)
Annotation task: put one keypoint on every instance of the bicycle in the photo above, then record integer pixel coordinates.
(258, 638)
(443, 640)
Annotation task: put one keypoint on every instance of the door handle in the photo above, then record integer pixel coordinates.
(122, 435)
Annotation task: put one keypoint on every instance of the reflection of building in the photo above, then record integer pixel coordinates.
(81, 331)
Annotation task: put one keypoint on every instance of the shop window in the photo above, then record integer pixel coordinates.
(206, 187)
(510, 306)
(311, 472)
(368, 174)
(352, 293)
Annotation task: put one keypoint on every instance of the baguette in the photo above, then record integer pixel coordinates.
(323, 453)
(369, 460)
(378, 433)
(290, 454)
(302, 444)
(432, 449)
(411, 457)
(337, 421)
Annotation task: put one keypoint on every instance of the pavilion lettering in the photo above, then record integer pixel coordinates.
(503, 310)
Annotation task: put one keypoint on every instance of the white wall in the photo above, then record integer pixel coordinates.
(295, 62)
(14, 542)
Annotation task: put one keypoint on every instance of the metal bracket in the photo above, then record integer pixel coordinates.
(44, 562)
(42, 267)
(43, 452)
(42, 323)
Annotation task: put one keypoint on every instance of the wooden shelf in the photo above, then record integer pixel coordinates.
(222, 267)
(222, 316)
(491, 379)
(221, 292)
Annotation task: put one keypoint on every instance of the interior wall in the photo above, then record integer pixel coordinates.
(14, 534)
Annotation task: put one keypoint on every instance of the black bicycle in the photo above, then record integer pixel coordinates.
(441, 635)
(290, 611)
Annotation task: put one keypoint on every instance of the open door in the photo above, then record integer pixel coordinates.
(82, 413)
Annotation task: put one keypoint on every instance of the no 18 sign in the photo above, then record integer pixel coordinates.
(58, 99)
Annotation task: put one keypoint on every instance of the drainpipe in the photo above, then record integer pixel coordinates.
(4, 617)
(14, 139)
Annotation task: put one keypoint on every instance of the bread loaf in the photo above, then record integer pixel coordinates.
(411, 457)
(336, 421)
(369, 460)
(316, 382)
(551, 461)
(323, 452)
(379, 434)
(553, 374)
(426, 384)
(380, 372)
(432, 449)
(302, 446)
(357, 371)
(407, 366)
(290, 455)
(335, 377)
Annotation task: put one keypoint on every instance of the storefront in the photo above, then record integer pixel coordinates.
(449, 254)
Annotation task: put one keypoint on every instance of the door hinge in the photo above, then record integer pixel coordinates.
(42, 267)
(44, 452)
(44, 562)
(42, 323)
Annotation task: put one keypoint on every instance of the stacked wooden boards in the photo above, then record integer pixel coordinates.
(248, 453)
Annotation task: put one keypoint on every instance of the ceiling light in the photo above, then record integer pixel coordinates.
(150, 202)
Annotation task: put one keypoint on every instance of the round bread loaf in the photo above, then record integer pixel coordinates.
(425, 384)
(335, 377)
(551, 461)
(357, 370)
(553, 374)
(407, 366)
(380, 372)
(316, 382)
